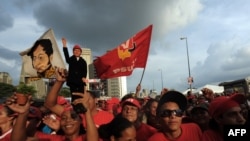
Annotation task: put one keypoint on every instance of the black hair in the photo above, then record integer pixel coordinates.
(94, 93)
(114, 128)
(45, 43)
(9, 111)
(74, 115)
(127, 96)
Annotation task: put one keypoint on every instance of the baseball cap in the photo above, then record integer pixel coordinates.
(203, 106)
(77, 47)
(220, 104)
(61, 100)
(132, 101)
(173, 96)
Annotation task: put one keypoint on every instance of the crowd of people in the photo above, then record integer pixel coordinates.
(170, 117)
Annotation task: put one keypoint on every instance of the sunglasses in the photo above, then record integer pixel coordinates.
(168, 113)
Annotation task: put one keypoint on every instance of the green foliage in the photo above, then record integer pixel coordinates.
(6, 90)
(65, 92)
(25, 89)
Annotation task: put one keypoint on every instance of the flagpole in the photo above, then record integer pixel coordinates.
(142, 75)
(138, 88)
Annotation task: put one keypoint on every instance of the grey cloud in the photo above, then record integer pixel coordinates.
(13, 67)
(225, 62)
(6, 19)
(103, 25)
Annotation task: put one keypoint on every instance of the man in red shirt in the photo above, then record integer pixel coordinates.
(131, 111)
(170, 113)
(224, 110)
(99, 116)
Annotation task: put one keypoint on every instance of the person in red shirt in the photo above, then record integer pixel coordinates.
(119, 129)
(199, 114)
(70, 123)
(224, 110)
(170, 113)
(131, 111)
(6, 122)
(99, 116)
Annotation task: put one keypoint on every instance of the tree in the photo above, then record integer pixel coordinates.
(26, 89)
(6, 90)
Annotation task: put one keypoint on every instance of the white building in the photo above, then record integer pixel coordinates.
(5, 78)
(117, 87)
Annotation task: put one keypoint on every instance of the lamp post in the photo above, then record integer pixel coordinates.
(190, 79)
(161, 79)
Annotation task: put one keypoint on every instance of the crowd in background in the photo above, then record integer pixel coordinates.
(169, 116)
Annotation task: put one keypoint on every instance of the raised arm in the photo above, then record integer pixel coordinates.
(138, 89)
(65, 49)
(91, 130)
(51, 99)
(19, 129)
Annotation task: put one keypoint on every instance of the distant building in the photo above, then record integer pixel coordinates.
(5, 78)
(117, 87)
(40, 85)
(87, 56)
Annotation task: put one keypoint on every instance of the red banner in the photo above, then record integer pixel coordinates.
(122, 60)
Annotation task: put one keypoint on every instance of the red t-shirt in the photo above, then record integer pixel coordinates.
(6, 136)
(190, 132)
(144, 132)
(211, 135)
(53, 137)
(102, 117)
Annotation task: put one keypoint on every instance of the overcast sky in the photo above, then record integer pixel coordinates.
(217, 32)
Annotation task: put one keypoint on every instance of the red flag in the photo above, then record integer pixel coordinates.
(122, 60)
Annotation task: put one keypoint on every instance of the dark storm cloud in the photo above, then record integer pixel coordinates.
(98, 25)
(10, 62)
(103, 25)
(6, 19)
(8, 54)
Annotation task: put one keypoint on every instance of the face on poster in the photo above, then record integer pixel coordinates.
(42, 58)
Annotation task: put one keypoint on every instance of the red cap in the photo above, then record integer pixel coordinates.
(77, 47)
(61, 100)
(113, 100)
(220, 104)
(132, 101)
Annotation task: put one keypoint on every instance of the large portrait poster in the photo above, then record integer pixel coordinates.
(41, 59)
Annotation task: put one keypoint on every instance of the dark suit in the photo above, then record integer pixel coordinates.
(77, 70)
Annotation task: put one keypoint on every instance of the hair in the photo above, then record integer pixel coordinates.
(114, 128)
(45, 43)
(74, 115)
(94, 93)
(148, 104)
(127, 96)
(8, 111)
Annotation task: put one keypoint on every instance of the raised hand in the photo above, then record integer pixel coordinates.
(84, 100)
(11, 102)
(61, 74)
(52, 122)
(64, 42)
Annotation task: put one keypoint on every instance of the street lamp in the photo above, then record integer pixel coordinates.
(161, 79)
(190, 79)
